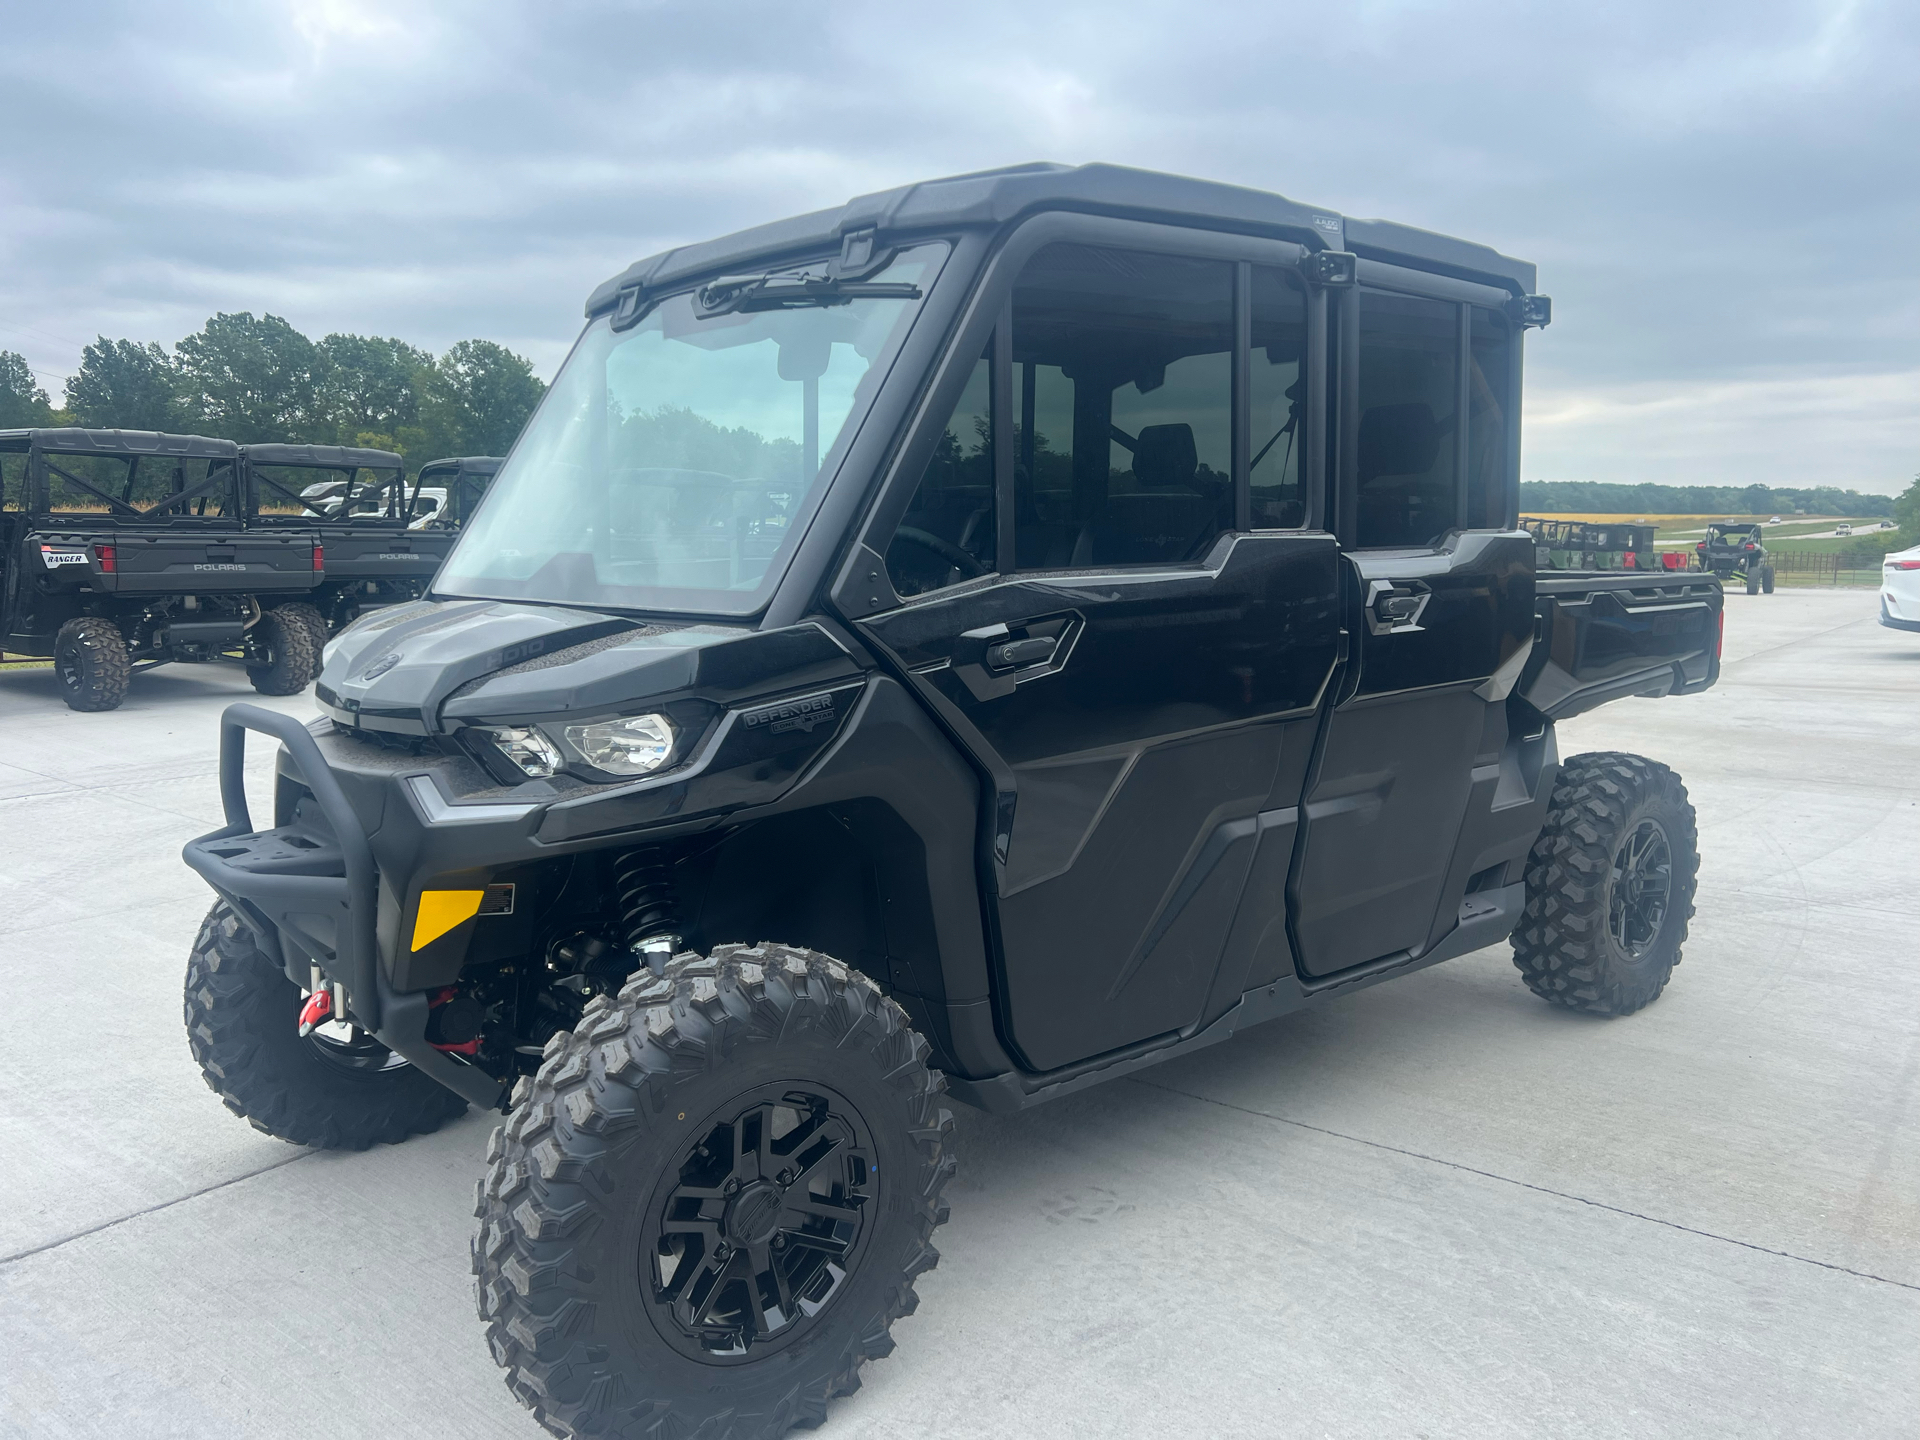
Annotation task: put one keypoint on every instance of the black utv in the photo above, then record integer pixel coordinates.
(360, 506)
(1735, 549)
(121, 550)
(448, 490)
(985, 639)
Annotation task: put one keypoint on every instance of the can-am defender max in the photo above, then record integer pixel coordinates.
(987, 638)
(121, 550)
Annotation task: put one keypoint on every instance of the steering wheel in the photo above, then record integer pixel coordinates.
(969, 567)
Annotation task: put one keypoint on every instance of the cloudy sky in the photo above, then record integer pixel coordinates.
(1723, 196)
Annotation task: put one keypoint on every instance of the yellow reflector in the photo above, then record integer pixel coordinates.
(440, 911)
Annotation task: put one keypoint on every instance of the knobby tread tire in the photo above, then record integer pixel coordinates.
(590, 1133)
(316, 623)
(97, 652)
(242, 1025)
(1563, 947)
(296, 659)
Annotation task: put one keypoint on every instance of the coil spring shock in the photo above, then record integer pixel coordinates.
(649, 911)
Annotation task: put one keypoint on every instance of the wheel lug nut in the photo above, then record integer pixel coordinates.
(732, 1186)
(785, 1177)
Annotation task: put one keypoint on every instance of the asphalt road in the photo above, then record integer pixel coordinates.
(1436, 1208)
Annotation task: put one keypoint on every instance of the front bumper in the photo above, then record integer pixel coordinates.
(318, 898)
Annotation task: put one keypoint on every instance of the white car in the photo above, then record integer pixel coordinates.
(1843, 529)
(1900, 589)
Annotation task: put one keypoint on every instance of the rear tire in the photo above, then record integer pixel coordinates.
(1766, 580)
(90, 658)
(1753, 582)
(243, 1027)
(640, 1239)
(1610, 886)
(281, 655)
(316, 623)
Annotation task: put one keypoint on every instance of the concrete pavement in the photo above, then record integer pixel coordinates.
(1436, 1208)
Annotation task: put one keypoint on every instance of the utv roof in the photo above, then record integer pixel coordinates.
(75, 441)
(989, 199)
(333, 457)
(463, 465)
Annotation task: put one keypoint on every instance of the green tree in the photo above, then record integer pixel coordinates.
(253, 380)
(370, 385)
(124, 385)
(474, 401)
(23, 403)
(1906, 509)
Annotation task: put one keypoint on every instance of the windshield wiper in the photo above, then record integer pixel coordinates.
(792, 290)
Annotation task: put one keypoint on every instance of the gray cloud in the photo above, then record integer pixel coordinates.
(1721, 197)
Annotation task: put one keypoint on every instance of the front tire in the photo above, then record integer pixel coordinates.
(657, 1255)
(281, 656)
(1610, 886)
(336, 1093)
(90, 658)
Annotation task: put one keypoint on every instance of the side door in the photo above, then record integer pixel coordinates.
(1126, 622)
(1439, 602)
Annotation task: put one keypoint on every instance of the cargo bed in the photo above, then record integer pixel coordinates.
(1600, 635)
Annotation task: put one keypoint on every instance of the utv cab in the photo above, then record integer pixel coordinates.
(978, 641)
(359, 505)
(1733, 548)
(457, 484)
(121, 550)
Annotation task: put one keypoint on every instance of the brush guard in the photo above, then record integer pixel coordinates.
(321, 893)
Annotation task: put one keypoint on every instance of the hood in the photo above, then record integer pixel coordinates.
(418, 668)
(392, 670)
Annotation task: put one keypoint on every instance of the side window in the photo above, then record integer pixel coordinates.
(946, 536)
(1123, 363)
(1277, 388)
(1409, 365)
(1487, 392)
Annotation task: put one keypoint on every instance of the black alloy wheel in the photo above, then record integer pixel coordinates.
(755, 1230)
(1639, 888)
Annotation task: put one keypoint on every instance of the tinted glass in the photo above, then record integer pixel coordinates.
(1277, 389)
(946, 536)
(1487, 393)
(1409, 361)
(1124, 366)
(672, 465)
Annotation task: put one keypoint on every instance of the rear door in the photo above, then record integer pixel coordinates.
(1125, 620)
(1439, 604)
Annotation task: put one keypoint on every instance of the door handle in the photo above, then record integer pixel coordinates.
(1395, 607)
(1012, 654)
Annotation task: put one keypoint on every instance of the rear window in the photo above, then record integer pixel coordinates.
(140, 484)
(13, 481)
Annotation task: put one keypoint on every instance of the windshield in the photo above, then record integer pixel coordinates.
(673, 465)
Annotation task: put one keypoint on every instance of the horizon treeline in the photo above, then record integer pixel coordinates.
(255, 380)
(1580, 497)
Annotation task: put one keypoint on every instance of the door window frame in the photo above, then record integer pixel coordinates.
(862, 586)
(1344, 470)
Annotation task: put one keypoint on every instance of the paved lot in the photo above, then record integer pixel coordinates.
(1437, 1208)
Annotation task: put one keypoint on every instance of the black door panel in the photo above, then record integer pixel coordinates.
(1119, 760)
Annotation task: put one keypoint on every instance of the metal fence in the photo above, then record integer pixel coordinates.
(1852, 566)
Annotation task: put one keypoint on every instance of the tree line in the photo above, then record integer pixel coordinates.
(1601, 498)
(254, 380)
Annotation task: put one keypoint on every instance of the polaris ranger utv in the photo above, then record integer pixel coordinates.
(457, 483)
(1732, 549)
(984, 639)
(121, 550)
(359, 505)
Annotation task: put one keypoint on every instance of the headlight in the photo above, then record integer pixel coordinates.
(525, 747)
(638, 745)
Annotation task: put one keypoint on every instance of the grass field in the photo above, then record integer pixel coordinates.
(1683, 532)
